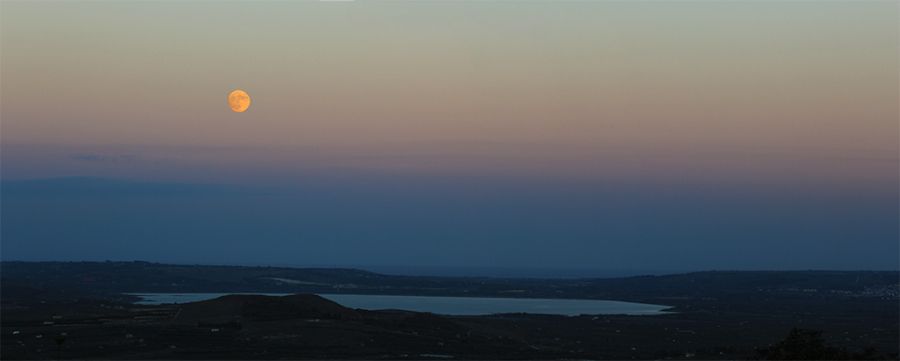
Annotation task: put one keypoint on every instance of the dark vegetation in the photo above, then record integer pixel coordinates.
(803, 344)
(78, 310)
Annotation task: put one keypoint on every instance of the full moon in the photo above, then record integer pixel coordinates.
(239, 101)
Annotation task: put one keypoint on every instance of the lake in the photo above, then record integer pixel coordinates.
(460, 306)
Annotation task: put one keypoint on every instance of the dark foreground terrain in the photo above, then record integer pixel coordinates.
(77, 310)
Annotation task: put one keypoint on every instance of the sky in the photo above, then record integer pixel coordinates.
(608, 135)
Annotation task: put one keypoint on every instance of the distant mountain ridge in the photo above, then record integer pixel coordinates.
(136, 277)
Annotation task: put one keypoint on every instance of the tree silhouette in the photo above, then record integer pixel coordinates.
(804, 344)
(60, 340)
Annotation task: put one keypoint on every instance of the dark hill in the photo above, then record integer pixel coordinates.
(235, 308)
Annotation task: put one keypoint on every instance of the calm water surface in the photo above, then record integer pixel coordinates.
(447, 305)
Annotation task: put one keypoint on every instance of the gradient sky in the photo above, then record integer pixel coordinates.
(606, 135)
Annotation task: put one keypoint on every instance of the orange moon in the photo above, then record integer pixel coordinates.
(239, 101)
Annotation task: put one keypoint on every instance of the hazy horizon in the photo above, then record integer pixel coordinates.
(463, 271)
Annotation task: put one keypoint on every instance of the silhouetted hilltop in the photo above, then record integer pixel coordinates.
(236, 308)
